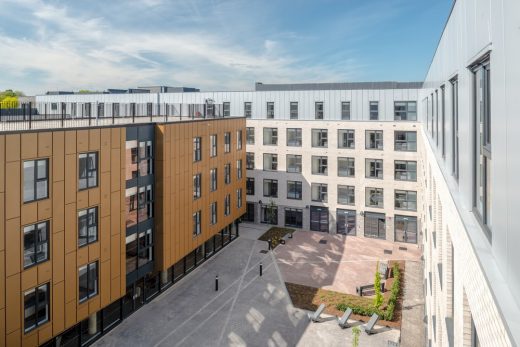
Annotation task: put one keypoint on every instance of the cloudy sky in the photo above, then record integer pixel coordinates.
(213, 44)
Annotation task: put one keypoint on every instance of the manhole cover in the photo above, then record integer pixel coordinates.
(403, 248)
(323, 242)
(387, 251)
(263, 251)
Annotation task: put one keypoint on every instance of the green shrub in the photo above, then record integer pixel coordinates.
(378, 299)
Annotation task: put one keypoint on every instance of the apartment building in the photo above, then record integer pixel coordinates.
(99, 219)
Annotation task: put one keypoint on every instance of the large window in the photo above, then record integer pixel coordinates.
(374, 139)
(319, 165)
(270, 136)
(374, 197)
(319, 138)
(293, 110)
(213, 145)
(239, 140)
(375, 225)
(270, 161)
(270, 188)
(35, 180)
(239, 169)
(227, 142)
(247, 109)
(36, 307)
(318, 107)
(139, 250)
(88, 281)
(346, 138)
(346, 222)
(269, 214)
(374, 110)
(345, 110)
(319, 192)
(294, 163)
(250, 186)
(196, 223)
(374, 168)
(145, 158)
(226, 109)
(239, 197)
(405, 229)
(405, 110)
(293, 217)
(455, 126)
(346, 195)
(88, 170)
(35, 244)
(406, 200)
(213, 179)
(213, 215)
(227, 205)
(294, 190)
(294, 137)
(405, 170)
(197, 182)
(197, 151)
(250, 135)
(405, 141)
(145, 203)
(250, 161)
(87, 226)
(270, 110)
(346, 167)
(482, 170)
(227, 173)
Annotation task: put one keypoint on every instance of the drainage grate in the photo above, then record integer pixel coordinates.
(323, 242)
(263, 251)
(388, 251)
(403, 248)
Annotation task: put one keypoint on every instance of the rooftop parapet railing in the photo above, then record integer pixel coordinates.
(56, 115)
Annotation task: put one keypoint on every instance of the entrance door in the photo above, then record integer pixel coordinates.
(320, 219)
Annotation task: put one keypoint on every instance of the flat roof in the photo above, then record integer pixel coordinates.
(337, 86)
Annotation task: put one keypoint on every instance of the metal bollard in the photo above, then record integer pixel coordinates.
(216, 283)
(261, 268)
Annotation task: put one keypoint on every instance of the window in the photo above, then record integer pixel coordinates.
(197, 153)
(374, 139)
(318, 107)
(319, 192)
(227, 205)
(405, 110)
(270, 162)
(346, 195)
(406, 200)
(482, 121)
(294, 137)
(270, 188)
(269, 214)
(149, 109)
(375, 225)
(213, 145)
(213, 179)
(35, 244)
(443, 121)
(374, 197)
(250, 135)
(250, 186)
(145, 203)
(405, 229)
(197, 181)
(437, 118)
(405, 170)
(196, 223)
(226, 107)
(455, 126)
(213, 209)
(88, 281)
(239, 197)
(293, 110)
(250, 161)
(346, 222)
(270, 136)
(36, 307)
(88, 164)
(145, 158)
(319, 165)
(54, 106)
(227, 173)
(239, 139)
(35, 180)
(270, 110)
(87, 226)
(247, 109)
(346, 138)
(139, 250)
(405, 141)
(345, 110)
(115, 110)
(101, 110)
(239, 169)
(319, 138)
(374, 110)
(294, 190)
(227, 142)
(374, 168)
(294, 163)
(293, 217)
(346, 167)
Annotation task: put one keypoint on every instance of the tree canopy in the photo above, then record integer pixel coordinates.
(9, 98)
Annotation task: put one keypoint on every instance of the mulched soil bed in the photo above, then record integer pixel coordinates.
(309, 298)
(275, 234)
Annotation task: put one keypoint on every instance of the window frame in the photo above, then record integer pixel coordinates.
(373, 114)
(297, 192)
(293, 114)
(250, 135)
(376, 166)
(400, 144)
(36, 180)
(345, 113)
(398, 173)
(319, 110)
(227, 142)
(405, 201)
(197, 186)
(197, 149)
(273, 186)
(248, 113)
(322, 190)
(378, 137)
(95, 292)
(47, 305)
(406, 112)
(350, 195)
(36, 230)
(196, 220)
(322, 165)
(372, 191)
(213, 145)
(319, 138)
(273, 161)
(88, 224)
(250, 161)
(297, 140)
(289, 158)
(349, 160)
(88, 170)
(272, 133)
(270, 110)
(350, 138)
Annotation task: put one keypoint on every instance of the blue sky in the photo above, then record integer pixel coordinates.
(214, 44)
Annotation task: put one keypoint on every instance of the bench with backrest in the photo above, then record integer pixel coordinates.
(369, 327)
(343, 321)
(315, 317)
(361, 289)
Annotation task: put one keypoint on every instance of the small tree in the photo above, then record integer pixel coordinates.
(355, 336)
(271, 212)
(378, 299)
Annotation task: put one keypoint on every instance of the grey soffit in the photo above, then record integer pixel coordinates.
(338, 86)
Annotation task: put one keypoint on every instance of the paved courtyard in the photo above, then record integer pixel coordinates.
(341, 264)
(247, 311)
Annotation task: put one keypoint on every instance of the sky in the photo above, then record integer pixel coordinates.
(214, 44)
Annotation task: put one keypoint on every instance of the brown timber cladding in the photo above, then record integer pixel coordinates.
(174, 204)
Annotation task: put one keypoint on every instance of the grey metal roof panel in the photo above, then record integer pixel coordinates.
(338, 86)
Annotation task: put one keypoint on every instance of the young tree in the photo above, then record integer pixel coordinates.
(378, 299)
